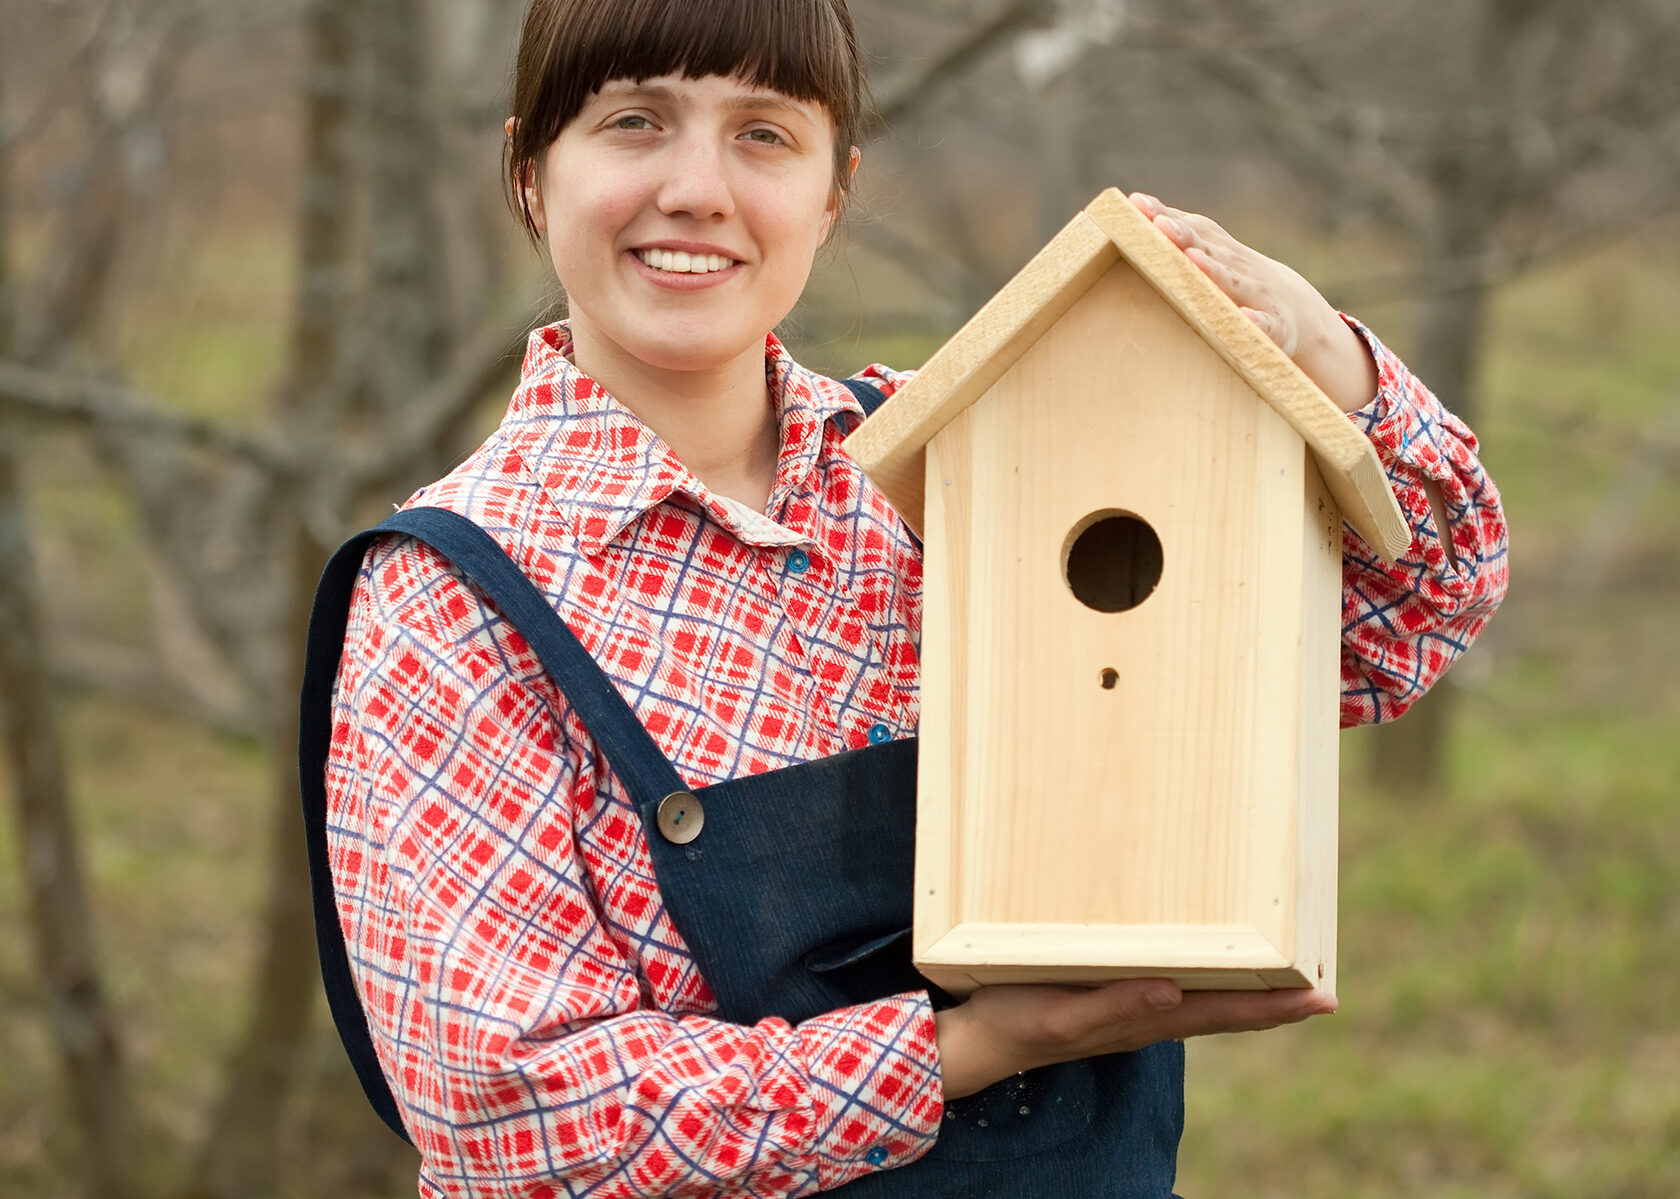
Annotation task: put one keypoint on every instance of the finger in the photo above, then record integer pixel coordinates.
(1238, 284)
(1202, 228)
(1227, 280)
(1146, 204)
(1176, 230)
(1126, 1001)
(1273, 327)
(1247, 1011)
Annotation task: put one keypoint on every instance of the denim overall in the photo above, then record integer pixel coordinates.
(794, 897)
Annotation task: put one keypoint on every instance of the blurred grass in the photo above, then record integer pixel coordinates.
(1510, 978)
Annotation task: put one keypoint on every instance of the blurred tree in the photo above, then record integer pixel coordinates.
(377, 386)
(60, 922)
(1491, 136)
(82, 1026)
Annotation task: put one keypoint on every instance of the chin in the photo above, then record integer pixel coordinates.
(701, 352)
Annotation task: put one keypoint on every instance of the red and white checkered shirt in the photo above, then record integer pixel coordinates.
(544, 1027)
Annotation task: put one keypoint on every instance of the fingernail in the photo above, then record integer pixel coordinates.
(1162, 998)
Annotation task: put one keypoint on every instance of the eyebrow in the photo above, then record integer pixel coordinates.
(740, 103)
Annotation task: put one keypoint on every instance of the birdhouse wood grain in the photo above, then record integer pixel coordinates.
(1132, 504)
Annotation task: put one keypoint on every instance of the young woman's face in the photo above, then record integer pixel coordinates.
(683, 216)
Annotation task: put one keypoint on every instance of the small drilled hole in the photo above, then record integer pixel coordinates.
(1109, 676)
(1113, 561)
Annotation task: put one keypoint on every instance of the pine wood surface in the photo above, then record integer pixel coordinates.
(1169, 800)
(1197, 957)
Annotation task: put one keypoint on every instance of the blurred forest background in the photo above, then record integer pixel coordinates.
(257, 283)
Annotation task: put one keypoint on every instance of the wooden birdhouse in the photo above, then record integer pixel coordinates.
(1132, 504)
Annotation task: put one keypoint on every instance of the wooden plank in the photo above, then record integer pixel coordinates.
(1319, 732)
(1350, 462)
(944, 680)
(889, 445)
(1272, 898)
(1197, 957)
(963, 982)
(975, 944)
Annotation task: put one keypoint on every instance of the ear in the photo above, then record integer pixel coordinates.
(528, 184)
(837, 197)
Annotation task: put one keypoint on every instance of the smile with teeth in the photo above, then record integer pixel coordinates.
(681, 262)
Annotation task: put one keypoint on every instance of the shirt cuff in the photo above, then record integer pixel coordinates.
(1416, 438)
(874, 1086)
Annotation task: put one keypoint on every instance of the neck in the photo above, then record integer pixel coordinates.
(719, 421)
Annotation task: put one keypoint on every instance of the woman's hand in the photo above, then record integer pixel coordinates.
(1287, 308)
(1001, 1030)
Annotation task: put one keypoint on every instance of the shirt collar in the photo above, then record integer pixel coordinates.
(601, 468)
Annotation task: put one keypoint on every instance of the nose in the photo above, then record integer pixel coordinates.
(697, 183)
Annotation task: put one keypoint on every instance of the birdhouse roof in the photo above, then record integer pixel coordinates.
(891, 445)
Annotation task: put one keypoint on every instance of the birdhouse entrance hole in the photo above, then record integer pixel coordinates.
(1112, 561)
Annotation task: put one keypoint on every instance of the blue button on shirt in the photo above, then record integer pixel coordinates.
(799, 562)
(876, 1156)
(879, 734)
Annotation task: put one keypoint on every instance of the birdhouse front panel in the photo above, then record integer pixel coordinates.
(1129, 675)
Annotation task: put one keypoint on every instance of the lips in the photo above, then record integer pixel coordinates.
(682, 262)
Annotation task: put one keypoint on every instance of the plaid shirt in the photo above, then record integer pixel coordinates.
(545, 1028)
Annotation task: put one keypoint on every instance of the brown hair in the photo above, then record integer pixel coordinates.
(568, 49)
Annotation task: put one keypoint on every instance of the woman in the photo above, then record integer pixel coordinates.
(566, 994)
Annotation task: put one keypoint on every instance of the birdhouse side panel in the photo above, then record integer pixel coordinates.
(1317, 829)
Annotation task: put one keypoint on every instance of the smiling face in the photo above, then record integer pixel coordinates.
(682, 216)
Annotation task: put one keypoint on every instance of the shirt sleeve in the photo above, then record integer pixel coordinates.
(514, 1021)
(1405, 623)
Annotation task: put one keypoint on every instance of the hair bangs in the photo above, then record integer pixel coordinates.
(802, 50)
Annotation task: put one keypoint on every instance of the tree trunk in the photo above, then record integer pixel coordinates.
(241, 1155)
(240, 1158)
(407, 310)
(60, 922)
(59, 911)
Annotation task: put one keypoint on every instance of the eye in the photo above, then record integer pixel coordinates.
(766, 137)
(632, 121)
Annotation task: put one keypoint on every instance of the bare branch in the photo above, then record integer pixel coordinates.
(140, 65)
(61, 398)
(133, 678)
(1338, 145)
(64, 78)
(959, 282)
(913, 93)
(476, 368)
(1506, 259)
